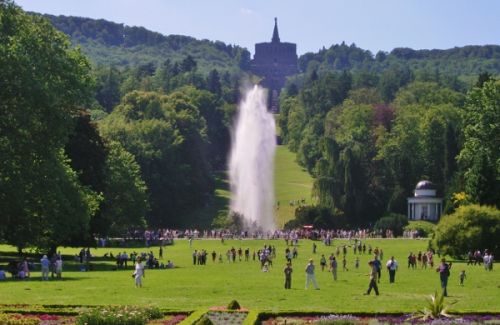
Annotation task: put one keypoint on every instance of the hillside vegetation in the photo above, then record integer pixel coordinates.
(109, 43)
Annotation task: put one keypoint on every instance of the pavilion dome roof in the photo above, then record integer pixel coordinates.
(425, 185)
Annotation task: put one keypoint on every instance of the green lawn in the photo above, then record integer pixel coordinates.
(190, 287)
(292, 182)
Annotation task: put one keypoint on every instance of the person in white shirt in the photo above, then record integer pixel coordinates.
(392, 266)
(59, 265)
(139, 273)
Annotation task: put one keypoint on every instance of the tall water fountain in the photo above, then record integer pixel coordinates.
(251, 164)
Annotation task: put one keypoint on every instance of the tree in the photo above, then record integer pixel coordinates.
(43, 83)
(392, 79)
(470, 227)
(108, 88)
(213, 83)
(422, 141)
(52, 208)
(480, 157)
(392, 221)
(188, 64)
(87, 154)
(291, 121)
(125, 199)
(168, 137)
(318, 216)
(345, 173)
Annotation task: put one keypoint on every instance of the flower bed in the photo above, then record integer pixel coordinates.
(226, 317)
(118, 315)
(35, 319)
(109, 315)
(373, 320)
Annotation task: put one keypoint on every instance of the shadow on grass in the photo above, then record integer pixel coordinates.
(38, 279)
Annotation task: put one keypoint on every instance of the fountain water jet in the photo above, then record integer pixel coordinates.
(251, 163)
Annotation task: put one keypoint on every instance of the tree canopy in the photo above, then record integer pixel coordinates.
(43, 83)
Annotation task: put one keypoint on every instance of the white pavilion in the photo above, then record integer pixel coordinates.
(425, 205)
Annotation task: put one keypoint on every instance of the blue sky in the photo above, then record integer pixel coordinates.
(370, 24)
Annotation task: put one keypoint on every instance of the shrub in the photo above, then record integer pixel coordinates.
(424, 228)
(318, 216)
(393, 221)
(233, 221)
(118, 315)
(469, 227)
(233, 305)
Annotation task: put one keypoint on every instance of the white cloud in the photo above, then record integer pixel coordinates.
(246, 11)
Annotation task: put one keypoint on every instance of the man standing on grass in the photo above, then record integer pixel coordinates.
(373, 278)
(444, 274)
(310, 275)
(378, 266)
(333, 267)
(392, 266)
(288, 275)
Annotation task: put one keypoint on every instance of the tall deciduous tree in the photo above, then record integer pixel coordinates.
(125, 201)
(168, 137)
(42, 84)
(480, 156)
(108, 88)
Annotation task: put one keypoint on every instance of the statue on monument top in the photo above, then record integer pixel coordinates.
(276, 36)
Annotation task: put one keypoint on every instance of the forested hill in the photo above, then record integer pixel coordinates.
(458, 61)
(108, 43)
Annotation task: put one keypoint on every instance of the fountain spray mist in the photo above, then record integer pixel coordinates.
(251, 164)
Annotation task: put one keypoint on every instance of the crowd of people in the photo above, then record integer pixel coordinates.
(478, 258)
(149, 260)
(167, 236)
(265, 256)
(22, 269)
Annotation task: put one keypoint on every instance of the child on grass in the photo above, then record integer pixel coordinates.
(462, 277)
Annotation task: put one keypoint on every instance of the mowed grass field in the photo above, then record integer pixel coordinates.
(191, 287)
(292, 183)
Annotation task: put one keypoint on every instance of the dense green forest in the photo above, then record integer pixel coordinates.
(107, 43)
(367, 151)
(458, 61)
(129, 130)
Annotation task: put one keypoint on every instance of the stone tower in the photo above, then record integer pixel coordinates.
(273, 62)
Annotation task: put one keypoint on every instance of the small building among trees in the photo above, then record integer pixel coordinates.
(425, 205)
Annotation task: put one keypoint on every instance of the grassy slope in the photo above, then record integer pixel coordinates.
(190, 287)
(292, 182)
